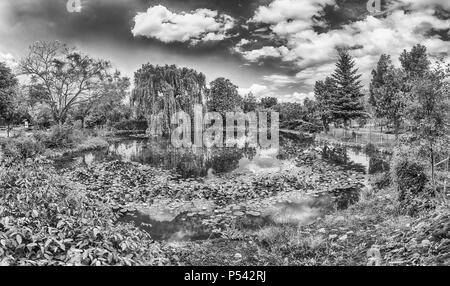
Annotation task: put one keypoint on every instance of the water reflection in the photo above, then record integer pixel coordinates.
(181, 228)
(202, 162)
(356, 159)
(186, 162)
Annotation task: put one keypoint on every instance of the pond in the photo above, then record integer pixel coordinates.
(187, 226)
(202, 162)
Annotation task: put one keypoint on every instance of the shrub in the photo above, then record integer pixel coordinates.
(47, 220)
(370, 149)
(411, 179)
(132, 125)
(60, 136)
(381, 180)
(21, 148)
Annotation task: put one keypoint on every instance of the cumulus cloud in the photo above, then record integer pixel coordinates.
(420, 4)
(280, 80)
(8, 59)
(258, 90)
(264, 52)
(290, 16)
(261, 91)
(298, 97)
(200, 25)
(314, 53)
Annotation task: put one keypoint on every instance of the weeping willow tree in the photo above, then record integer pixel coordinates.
(161, 91)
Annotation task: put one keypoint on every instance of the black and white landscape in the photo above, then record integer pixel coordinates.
(229, 133)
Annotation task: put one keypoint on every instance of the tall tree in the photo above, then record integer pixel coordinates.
(107, 106)
(323, 92)
(224, 96)
(347, 103)
(161, 91)
(8, 92)
(416, 62)
(428, 113)
(269, 102)
(68, 77)
(387, 93)
(249, 103)
(383, 66)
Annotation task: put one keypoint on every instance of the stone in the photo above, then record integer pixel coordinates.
(425, 243)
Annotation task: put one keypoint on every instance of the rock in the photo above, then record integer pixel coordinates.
(425, 243)
(238, 256)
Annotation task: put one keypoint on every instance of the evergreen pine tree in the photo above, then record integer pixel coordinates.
(347, 103)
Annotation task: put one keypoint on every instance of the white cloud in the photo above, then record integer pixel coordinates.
(199, 25)
(280, 80)
(420, 4)
(261, 91)
(298, 97)
(290, 16)
(314, 54)
(8, 59)
(258, 90)
(264, 52)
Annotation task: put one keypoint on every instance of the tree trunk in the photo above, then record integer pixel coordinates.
(8, 129)
(432, 168)
(396, 130)
(325, 125)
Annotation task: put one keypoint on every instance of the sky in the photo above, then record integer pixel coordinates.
(268, 47)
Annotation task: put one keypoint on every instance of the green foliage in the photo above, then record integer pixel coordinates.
(324, 92)
(46, 220)
(269, 102)
(161, 91)
(387, 94)
(60, 136)
(289, 111)
(41, 115)
(108, 108)
(383, 66)
(415, 63)
(347, 102)
(71, 77)
(131, 125)
(224, 96)
(411, 179)
(9, 106)
(249, 103)
(19, 149)
(428, 114)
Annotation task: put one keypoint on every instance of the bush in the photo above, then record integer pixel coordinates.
(411, 179)
(22, 148)
(132, 125)
(381, 180)
(60, 136)
(47, 220)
